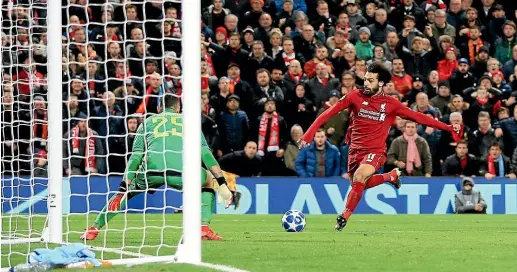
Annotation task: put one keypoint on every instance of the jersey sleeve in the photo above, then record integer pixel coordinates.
(138, 154)
(206, 154)
(342, 104)
(421, 118)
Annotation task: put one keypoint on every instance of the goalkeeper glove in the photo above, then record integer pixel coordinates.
(226, 195)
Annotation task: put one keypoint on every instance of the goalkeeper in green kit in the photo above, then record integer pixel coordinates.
(157, 160)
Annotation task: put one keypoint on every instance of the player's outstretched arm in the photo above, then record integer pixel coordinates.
(136, 157)
(342, 104)
(423, 119)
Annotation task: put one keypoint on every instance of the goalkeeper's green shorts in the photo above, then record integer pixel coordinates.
(156, 179)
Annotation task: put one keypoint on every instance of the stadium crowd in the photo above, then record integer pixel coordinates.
(269, 67)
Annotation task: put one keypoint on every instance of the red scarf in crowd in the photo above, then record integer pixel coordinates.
(295, 78)
(232, 84)
(274, 134)
(463, 162)
(288, 58)
(43, 123)
(482, 101)
(459, 136)
(89, 152)
(143, 106)
(210, 63)
(347, 29)
(324, 81)
(413, 157)
(472, 53)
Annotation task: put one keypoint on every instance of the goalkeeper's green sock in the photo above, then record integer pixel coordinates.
(104, 217)
(207, 205)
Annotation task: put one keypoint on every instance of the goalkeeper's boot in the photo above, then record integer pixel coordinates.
(340, 223)
(90, 234)
(208, 234)
(395, 177)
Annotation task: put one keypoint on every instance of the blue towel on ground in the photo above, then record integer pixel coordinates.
(64, 255)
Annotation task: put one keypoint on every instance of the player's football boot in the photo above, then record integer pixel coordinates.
(90, 234)
(395, 176)
(208, 234)
(340, 223)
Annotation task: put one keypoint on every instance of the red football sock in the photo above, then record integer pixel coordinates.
(376, 180)
(353, 198)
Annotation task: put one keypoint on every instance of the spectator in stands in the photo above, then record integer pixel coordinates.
(233, 127)
(504, 44)
(300, 110)
(40, 126)
(402, 81)
(287, 55)
(422, 104)
(320, 86)
(509, 66)
(432, 137)
(496, 164)
(218, 101)
(240, 87)
(151, 99)
(323, 17)
(409, 27)
(243, 163)
(461, 163)
(307, 42)
(410, 152)
(10, 133)
(363, 46)
(380, 56)
(390, 46)
(354, 14)
(347, 83)
(462, 78)
(507, 128)
(233, 53)
(448, 65)
(447, 142)
(214, 15)
(83, 151)
(443, 99)
(336, 127)
(470, 42)
(292, 150)
(264, 90)
(271, 133)
(479, 67)
(320, 57)
(441, 27)
(292, 78)
(469, 200)
(417, 87)
(380, 29)
(484, 136)
(321, 159)
(407, 8)
(418, 60)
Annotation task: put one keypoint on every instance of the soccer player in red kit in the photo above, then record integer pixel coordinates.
(372, 113)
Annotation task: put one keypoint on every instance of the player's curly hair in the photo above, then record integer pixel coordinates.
(379, 68)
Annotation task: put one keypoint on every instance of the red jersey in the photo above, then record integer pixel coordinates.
(371, 119)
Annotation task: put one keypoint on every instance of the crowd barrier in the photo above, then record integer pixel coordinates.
(270, 196)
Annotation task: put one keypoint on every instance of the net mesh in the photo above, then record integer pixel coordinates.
(117, 59)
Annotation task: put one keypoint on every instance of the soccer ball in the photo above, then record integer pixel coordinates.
(293, 221)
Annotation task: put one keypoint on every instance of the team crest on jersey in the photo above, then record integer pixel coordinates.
(383, 107)
(365, 103)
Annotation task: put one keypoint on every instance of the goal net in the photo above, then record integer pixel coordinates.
(117, 59)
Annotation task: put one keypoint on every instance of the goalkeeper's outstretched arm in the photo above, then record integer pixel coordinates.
(213, 166)
(135, 160)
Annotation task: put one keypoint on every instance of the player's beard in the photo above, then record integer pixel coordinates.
(370, 92)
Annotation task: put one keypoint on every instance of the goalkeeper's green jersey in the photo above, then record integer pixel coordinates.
(158, 146)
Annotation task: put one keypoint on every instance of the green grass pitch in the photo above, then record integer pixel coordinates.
(368, 242)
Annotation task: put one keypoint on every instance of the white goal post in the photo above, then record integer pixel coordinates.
(24, 227)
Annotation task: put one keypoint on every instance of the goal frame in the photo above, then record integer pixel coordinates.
(189, 248)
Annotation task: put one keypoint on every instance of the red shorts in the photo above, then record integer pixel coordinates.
(356, 158)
